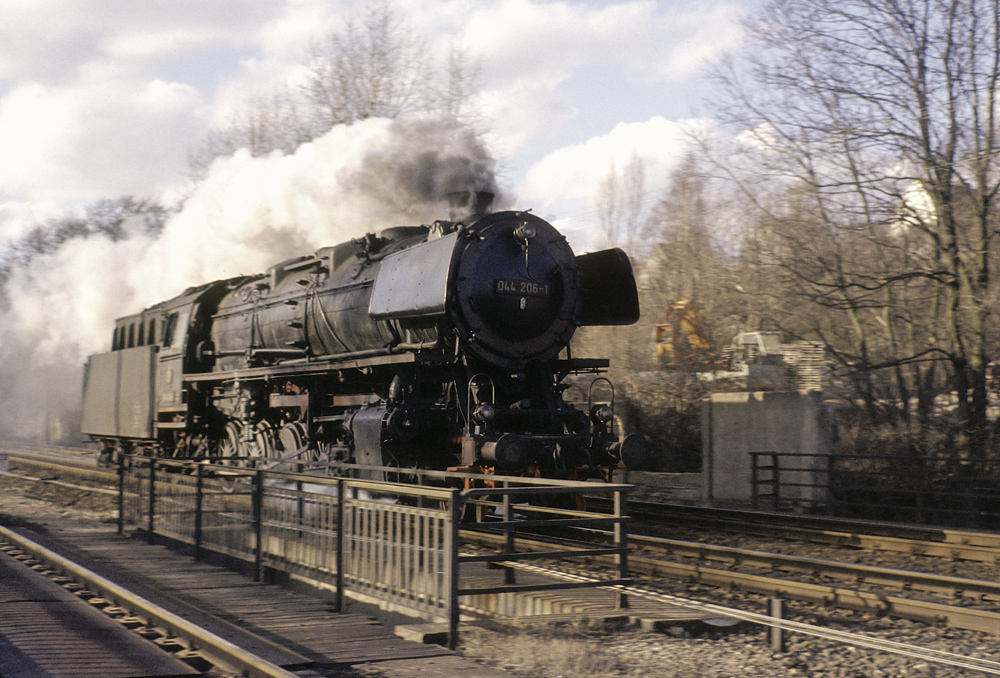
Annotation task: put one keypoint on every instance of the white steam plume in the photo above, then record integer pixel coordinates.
(247, 214)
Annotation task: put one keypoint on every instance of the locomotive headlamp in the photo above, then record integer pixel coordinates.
(602, 413)
(485, 413)
(525, 232)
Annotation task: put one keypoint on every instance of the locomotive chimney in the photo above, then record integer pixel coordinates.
(466, 206)
(483, 201)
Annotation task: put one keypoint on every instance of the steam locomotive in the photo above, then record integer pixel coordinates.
(441, 346)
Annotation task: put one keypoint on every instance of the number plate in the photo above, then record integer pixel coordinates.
(520, 288)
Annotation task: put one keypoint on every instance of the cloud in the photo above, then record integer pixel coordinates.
(84, 111)
(75, 77)
(102, 98)
(564, 185)
(98, 139)
(574, 172)
(689, 38)
(47, 41)
(529, 50)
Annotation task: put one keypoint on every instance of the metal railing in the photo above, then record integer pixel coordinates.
(395, 543)
(921, 489)
(765, 479)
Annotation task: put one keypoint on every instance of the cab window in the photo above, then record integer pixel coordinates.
(168, 330)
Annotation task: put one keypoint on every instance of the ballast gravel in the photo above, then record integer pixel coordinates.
(581, 652)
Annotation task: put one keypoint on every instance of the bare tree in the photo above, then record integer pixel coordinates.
(681, 223)
(374, 68)
(115, 220)
(876, 122)
(279, 121)
(376, 65)
(620, 207)
(694, 256)
(461, 85)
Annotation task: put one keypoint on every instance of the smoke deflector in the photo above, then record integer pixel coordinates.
(610, 296)
(413, 282)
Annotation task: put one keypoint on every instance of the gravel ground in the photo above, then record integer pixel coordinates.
(577, 652)
(582, 651)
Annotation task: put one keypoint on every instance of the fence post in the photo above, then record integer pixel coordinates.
(339, 600)
(150, 524)
(776, 474)
(777, 634)
(756, 481)
(121, 494)
(198, 508)
(621, 544)
(300, 503)
(451, 566)
(920, 486)
(257, 502)
(509, 576)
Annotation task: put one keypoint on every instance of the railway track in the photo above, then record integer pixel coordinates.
(952, 544)
(957, 602)
(866, 589)
(981, 665)
(78, 462)
(868, 594)
(190, 642)
(43, 611)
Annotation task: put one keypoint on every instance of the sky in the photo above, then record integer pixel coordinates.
(101, 99)
(104, 98)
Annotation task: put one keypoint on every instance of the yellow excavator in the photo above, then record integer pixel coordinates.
(680, 339)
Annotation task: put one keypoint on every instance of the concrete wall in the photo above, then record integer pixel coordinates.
(736, 424)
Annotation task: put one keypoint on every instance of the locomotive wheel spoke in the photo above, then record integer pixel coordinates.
(264, 440)
(231, 443)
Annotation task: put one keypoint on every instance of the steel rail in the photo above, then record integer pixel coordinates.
(907, 538)
(969, 618)
(834, 526)
(51, 462)
(216, 649)
(60, 483)
(869, 574)
(972, 619)
(8, 446)
(913, 651)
